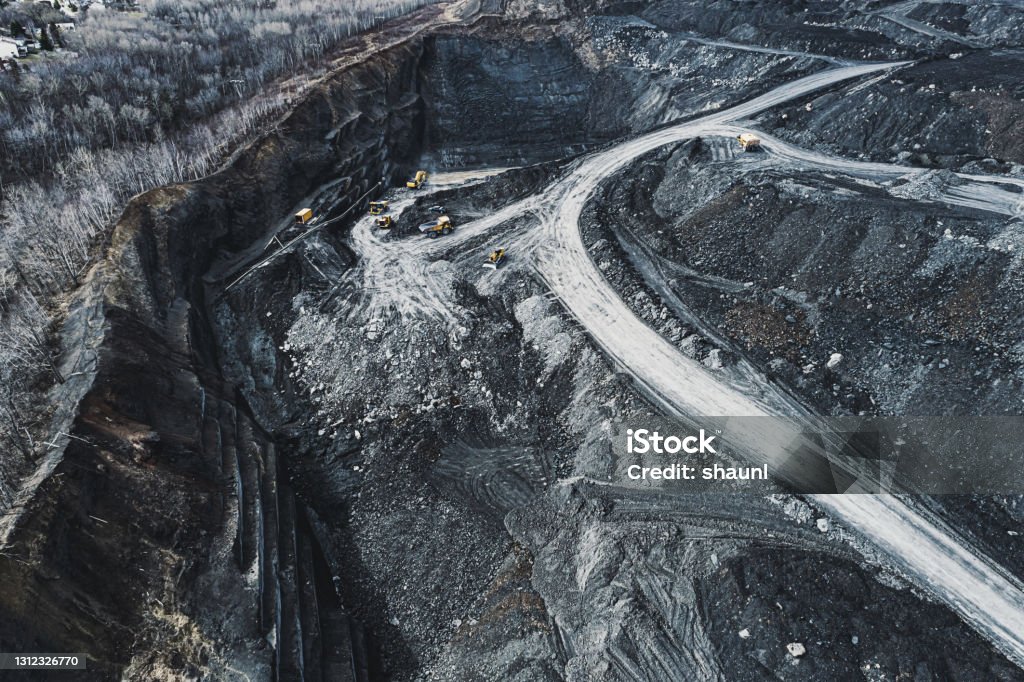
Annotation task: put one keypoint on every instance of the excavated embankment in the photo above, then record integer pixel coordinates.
(165, 537)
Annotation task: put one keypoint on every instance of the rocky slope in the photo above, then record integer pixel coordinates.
(164, 539)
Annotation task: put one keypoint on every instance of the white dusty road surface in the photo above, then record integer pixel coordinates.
(994, 194)
(928, 553)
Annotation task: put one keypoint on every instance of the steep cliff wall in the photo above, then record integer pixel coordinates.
(163, 538)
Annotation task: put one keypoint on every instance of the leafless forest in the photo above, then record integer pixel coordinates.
(136, 100)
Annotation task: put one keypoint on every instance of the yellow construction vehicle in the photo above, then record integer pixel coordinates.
(495, 259)
(384, 222)
(378, 207)
(418, 180)
(442, 226)
(304, 216)
(749, 142)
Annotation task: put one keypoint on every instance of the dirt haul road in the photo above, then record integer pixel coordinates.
(981, 192)
(927, 552)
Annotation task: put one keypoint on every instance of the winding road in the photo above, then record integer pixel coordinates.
(926, 551)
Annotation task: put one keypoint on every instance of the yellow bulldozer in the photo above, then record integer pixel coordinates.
(384, 222)
(495, 259)
(418, 180)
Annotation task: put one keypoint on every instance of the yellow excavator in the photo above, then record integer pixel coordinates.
(418, 180)
(442, 226)
(495, 259)
(384, 222)
(378, 207)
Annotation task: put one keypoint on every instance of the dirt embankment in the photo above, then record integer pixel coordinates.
(162, 536)
(163, 539)
(958, 113)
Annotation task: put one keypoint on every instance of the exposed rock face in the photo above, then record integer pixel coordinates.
(521, 100)
(943, 114)
(515, 96)
(164, 538)
(134, 532)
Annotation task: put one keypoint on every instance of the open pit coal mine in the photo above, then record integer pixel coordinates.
(331, 451)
